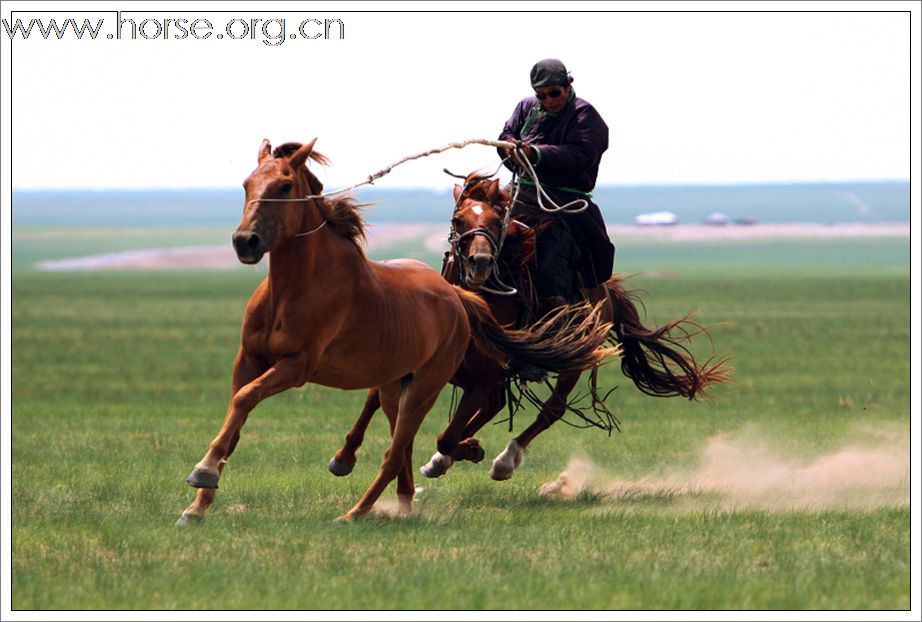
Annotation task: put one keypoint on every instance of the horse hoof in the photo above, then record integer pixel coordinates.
(437, 466)
(189, 519)
(200, 478)
(339, 469)
(345, 519)
(500, 474)
(507, 462)
(477, 454)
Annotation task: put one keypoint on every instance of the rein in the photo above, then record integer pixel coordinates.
(455, 239)
(314, 230)
(527, 166)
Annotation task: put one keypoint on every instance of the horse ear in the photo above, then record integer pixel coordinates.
(265, 150)
(458, 190)
(492, 190)
(299, 157)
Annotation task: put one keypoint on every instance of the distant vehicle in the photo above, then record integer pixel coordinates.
(718, 218)
(656, 219)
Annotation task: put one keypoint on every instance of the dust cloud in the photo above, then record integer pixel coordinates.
(742, 471)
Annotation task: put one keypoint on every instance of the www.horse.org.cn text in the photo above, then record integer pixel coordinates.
(125, 26)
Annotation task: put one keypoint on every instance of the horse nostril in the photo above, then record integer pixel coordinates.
(481, 262)
(245, 242)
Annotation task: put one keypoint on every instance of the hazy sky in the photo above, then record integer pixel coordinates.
(689, 97)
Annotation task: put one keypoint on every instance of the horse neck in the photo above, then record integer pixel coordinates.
(299, 265)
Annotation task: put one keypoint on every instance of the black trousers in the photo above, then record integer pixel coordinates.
(558, 257)
(566, 245)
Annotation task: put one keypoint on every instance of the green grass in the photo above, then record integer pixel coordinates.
(121, 379)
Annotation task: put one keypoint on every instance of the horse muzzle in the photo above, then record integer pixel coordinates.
(477, 269)
(249, 246)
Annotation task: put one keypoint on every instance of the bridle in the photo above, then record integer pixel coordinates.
(308, 198)
(455, 240)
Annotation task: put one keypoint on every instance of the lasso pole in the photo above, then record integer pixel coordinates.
(384, 171)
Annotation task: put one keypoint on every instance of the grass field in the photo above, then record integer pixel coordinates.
(120, 380)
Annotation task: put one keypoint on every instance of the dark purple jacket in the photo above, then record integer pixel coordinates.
(570, 145)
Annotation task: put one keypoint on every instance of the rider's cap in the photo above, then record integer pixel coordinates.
(549, 72)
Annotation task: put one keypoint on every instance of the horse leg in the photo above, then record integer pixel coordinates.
(204, 497)
(344, 460)
(405, 487)
(511, 457)
(415, 401)
(469, 448)
(283, 375)
(448, 440)
(246, 369)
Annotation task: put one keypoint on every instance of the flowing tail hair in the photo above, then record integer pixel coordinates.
(655, 359)
(571, 339)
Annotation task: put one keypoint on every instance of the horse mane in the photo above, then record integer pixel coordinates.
(475, 187)
(342, 212)
(286, 149)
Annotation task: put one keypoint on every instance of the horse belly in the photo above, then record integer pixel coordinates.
(378, 352)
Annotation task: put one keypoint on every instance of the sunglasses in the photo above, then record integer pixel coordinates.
(551, 94)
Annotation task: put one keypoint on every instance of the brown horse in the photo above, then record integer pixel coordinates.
(655, 360)
(327, 315)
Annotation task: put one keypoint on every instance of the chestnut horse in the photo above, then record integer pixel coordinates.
(655, 360)
(327, 315)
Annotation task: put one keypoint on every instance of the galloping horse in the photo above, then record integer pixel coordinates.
(655, 360)
(327, 315)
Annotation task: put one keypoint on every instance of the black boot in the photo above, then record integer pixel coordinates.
(527, 372)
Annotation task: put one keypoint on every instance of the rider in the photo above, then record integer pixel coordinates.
(564, 138)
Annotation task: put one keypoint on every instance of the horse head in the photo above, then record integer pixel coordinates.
(275, 208)
(477, 228)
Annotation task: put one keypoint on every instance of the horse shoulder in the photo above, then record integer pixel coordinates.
(256, 315)
(264, 333)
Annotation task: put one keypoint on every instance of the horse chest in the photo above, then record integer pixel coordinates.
(272, 338)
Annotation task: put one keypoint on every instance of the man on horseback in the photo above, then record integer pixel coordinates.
(564, 138)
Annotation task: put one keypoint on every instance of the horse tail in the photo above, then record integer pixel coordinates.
(568, 340)
(655, 359)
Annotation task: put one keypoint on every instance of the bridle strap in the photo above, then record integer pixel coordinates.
(297, 200)
(455, 239)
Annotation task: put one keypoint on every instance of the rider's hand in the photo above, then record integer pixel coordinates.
(526, 150)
